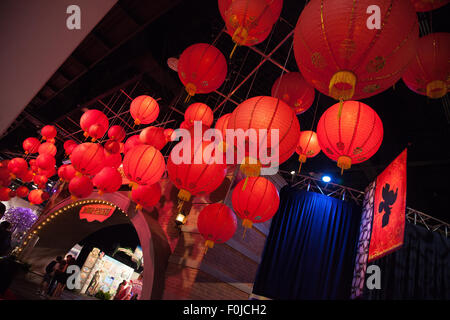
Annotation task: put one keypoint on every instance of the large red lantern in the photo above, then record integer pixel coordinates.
(153, 136)
(35, 196)
(47, 148)
(48, 132)
(31, 145)
(428, 5)
(268, 113)
(108, 180)
(428, 73)
(80, 187)
(69, 145)
(144, 165)
(17, 166)
(192, 178)
(202, 68)
(249, 22)
(22, 191)
(116, 133)
(45, 161)
(144, 110)
(343, 53)
(216, 223)
(293, 89)
(199, 112)
(92, 117)
(258, 202)
(146, 196)
(350, 135)
(88, 158)
(307, 147)
(66, 172)
(5, 194)
(131, 142)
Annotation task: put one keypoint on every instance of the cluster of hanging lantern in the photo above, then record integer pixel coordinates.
(337, 53)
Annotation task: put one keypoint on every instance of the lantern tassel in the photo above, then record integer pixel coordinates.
(243, 234)
(245, 184)
(341, 105)
(234, 49)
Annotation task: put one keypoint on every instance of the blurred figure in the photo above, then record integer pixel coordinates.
(5, 238)
(48, 276)
(136, 287)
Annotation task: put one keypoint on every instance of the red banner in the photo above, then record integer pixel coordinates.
(389, 209)
(96, 212)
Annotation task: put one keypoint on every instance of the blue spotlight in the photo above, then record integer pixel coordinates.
(326, 179)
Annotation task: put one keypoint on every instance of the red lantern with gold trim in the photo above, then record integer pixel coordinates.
(216, 223)
(293, 89)
(45, 161)
(258, 202)
(40, 180)
(48, 132)
(22, 192)
(144, 164)
(349, 134)
(80, 187)
(96, 131)
(144, 110)
(108, 180)
(91, 117)
(202, 68)
(153, 136)
(88, 158)
(31, 145)
(342, 51)
(66, 172)
(69, 145)
(112, 146)
(199, 112)
(429, 73)
(47, 148)
(17, 166)
(116, 133)
(146, 196)
(308, 146)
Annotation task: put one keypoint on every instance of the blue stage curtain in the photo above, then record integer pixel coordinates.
(311, 247)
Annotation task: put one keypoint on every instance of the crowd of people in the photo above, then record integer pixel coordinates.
(55, 277)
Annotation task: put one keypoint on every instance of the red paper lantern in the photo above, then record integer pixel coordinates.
(194, 178)
(112, 146)
(186, 125)
(22, 192)
(249, 22)
(116, 133)
(349, 136)
(267, 113)
(258, 202)
(144, 165)
(45, 161)
(69, 145)
(96, 131)
(35, 196)
(48, 132)
(146, 196)
(91, 117)
(47, 148)
(428, 5)
(108, 180)
(48, 173)
(199, 112)
(341, 57)
(202, 68)
(131, 142)
(88, 158)
(27, 176)
(428, 74)
(40, 180)
(17, 166)
(80, 187)
(222, 124)
(12, 193)
(307, 147)
(5, 194)
(153, 136)
(293, 89)
(216, 223)
(5, 177)
(168, 133)
(144, 110)
(66, 172)
(33, 165)
(31, 145)
(112, 160)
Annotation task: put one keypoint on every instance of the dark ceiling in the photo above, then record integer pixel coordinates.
(129, 49)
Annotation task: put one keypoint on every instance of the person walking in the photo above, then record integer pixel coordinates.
(60, 278)
(48, 276)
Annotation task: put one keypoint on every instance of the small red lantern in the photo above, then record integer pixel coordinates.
(131, 142)
(66, 172)
(88, 158)
(258, 202)
(202, 68)
(91, 117)
(45, 161)
(22, 192)
(116, 133)
(108, 180)
(293, 89)
(48, 132)
(5, 194)
(153, 136)
(144, 110)
(308, 146)
(144, 165)
(199, 112)
(47, 148)
(35, 196)
(146, 196)
(31, 145)
(349, 134)
(96, 131)
(428, 5)
(17, 166)
(40, 180)
(428, 74)
(69, 145)
(80, 187)
(112, 146)
(216, 223)
(5, 178)
(168, 133)
(48, 173)
(112, 160)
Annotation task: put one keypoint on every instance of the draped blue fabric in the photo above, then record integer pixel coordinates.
(311, 247)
